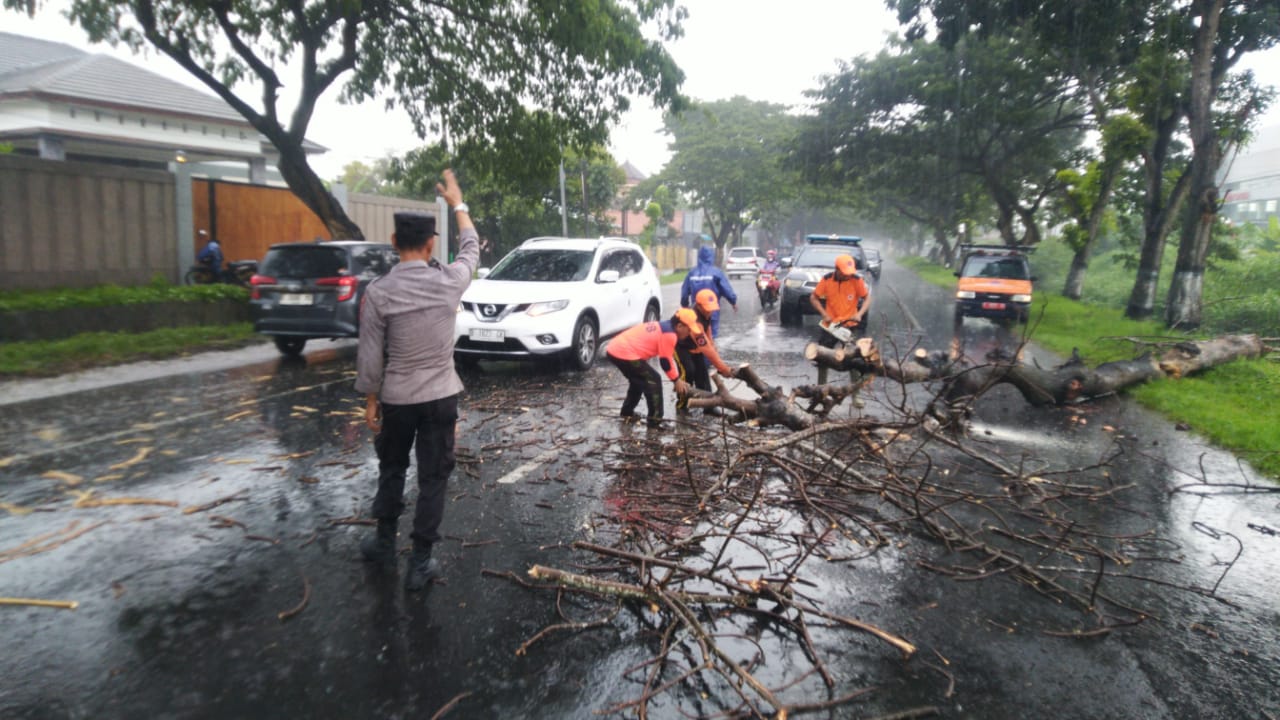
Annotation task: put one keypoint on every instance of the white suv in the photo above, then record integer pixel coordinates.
(742, 261)
(556, 296)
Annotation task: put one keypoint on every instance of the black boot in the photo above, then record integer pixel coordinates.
(381, 548)
(422, 568)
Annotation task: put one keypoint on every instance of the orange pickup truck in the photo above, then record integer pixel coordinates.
(994, 282)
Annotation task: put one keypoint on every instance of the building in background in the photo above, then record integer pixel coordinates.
(1251, 180)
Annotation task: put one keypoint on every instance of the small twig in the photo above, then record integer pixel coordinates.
(306, 595)
(59, 604)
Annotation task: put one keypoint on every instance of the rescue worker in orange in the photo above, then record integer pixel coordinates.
(631, 350)
(843, 299)
(696, 351)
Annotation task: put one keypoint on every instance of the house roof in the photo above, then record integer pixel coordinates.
(633, 173)
(50, 69)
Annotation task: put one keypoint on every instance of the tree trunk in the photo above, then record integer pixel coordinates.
(1157, 218)
(310, 189)
(1074, 286)
(1071, 382)
(1184, 307)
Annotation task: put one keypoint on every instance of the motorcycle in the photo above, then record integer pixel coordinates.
(767, 287)
(238, 272)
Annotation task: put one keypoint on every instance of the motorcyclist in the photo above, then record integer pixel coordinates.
(211, 255)
(706, 276)
(769, 270)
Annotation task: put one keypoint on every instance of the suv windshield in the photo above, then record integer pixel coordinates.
(525, 265)
(742, 253)
(305, 261)
(824, 256)
(994, 266)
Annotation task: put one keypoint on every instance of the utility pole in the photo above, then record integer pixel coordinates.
(564, 210)
(586, 213)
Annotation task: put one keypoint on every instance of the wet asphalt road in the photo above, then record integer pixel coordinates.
(237, 484)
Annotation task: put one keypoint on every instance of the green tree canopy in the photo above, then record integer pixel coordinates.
(470, 69)
(727, 160)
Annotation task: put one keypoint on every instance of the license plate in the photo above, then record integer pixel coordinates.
(992, 306)
(483, 335)
(297, 299)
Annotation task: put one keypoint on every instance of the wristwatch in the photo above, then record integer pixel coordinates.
(462, 207)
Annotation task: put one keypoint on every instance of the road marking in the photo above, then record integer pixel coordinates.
(519, 473)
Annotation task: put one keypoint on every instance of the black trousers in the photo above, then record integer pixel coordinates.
(643, 381)
(429, 425)
(694, 369)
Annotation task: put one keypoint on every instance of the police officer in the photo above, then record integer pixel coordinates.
(405, 369)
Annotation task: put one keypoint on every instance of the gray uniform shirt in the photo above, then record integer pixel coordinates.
(407, 325)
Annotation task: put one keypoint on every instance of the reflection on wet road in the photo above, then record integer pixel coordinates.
(207, 521)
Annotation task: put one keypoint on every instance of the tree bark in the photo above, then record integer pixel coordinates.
(1157, 216)
(1184, 307)
(310, 189)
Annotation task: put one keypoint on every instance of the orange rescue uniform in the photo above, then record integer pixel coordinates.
(842, 297)
(644, 341)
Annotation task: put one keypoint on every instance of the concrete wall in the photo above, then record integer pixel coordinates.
(69, 224)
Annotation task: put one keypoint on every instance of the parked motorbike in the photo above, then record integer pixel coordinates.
(238, 272)
(767, 287)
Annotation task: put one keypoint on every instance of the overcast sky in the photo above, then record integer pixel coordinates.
(771, 51)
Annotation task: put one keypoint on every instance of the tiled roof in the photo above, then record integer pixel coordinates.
(40, 67)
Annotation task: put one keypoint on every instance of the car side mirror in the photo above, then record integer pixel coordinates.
(607, 276)
(786, 262)
(956, 273)
(1034, 278)
(482, 273)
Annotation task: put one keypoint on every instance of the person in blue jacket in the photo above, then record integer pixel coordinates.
(706, 276)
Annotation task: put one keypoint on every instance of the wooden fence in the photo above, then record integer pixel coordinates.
(71, 224)
(74, 224)
(248, 219)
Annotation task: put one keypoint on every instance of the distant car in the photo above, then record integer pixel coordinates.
(801, 276)
(994, 281)
(851, 243)
(873, 262)
(311, 290)
(556, 297)
(743, 260)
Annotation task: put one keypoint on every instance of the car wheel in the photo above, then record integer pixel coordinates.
(651, 312)
(585, 343)
(959, 317)
(787, 315)
(290, 346)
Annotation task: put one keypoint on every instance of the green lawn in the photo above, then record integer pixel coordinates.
(45, 358)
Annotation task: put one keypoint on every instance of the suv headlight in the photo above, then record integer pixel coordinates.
(545, 308)
(1021, 298)
(964, 295)
(795, 282)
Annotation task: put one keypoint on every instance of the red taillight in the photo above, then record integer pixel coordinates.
(346, 285)
(257, 280)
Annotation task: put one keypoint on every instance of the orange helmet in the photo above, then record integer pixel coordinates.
(706, 300)
(688, 318)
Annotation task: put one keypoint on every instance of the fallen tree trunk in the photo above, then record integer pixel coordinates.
(1071, 382)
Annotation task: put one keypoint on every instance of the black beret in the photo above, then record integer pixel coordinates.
(415, 225)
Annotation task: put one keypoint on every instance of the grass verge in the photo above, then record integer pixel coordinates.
(45, 358)
(1236, 406)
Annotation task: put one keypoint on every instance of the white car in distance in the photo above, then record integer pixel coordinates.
(556, 297)
(742, 260)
